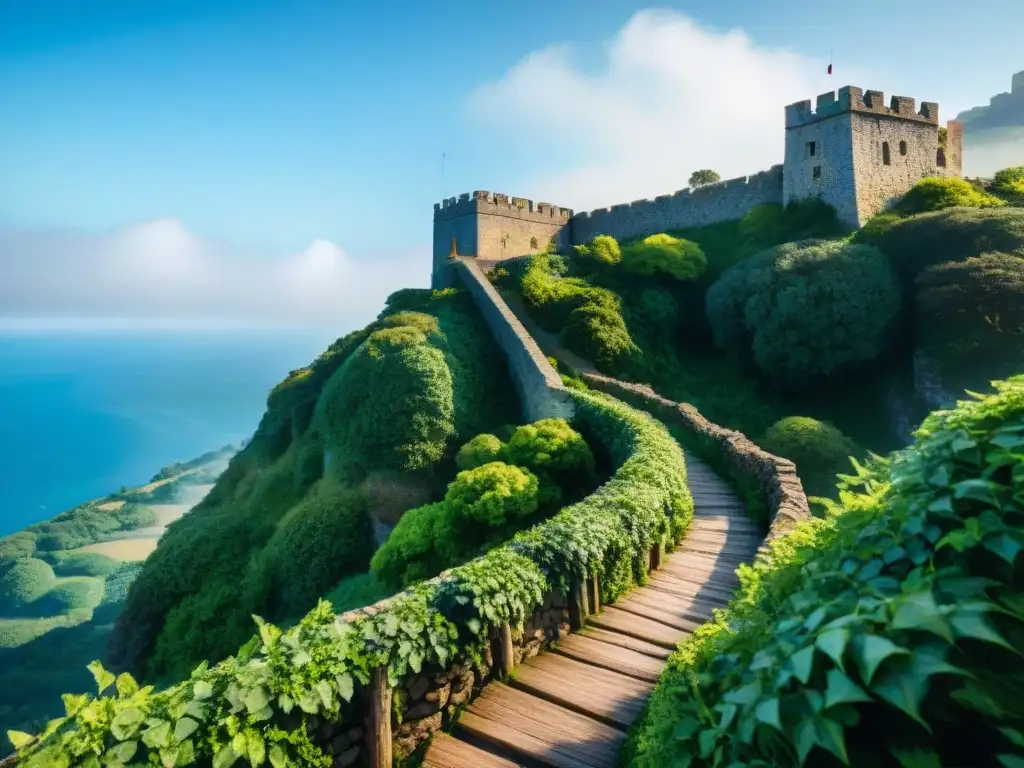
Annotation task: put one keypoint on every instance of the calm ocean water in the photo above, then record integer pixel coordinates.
(83, 414)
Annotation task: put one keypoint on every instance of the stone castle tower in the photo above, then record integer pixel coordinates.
(850, 150)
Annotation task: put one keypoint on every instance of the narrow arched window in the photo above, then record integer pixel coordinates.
(886, 160)
(903, 147)
(533, 243)
(940, 157)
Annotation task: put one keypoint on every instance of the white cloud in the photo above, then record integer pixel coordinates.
(159, 274)
(669, 98)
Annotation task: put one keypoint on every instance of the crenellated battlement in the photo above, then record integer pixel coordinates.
(852, 99)
(498, 203)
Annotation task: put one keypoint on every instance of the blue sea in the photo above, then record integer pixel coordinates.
(84, 413)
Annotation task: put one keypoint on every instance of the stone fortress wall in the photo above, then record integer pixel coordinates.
(851, 150)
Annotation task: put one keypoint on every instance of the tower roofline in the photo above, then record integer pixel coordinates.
(852, 99)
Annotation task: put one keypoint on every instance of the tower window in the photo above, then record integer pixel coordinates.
(903, 147)
(940, 157)
(533, 243)
(816, 172)
(812, 148)
(886, 159)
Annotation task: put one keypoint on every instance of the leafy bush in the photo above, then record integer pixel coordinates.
(551, 298)
(704, 176)
(132, 516)
(819, 450)
(85, 564)
(421, 545)
(663, 254)
(917, 242)
(395, 372)
(602, 251)
(934, 194)
(1009, 181)
(15, 547)
(494, 495)
(23, 583)
(322, 538)
(970, 318)
(77, 592)
(598, 333)
(554, 451)
(257, 705)
(887, 633)
(808, 309)
(15, 633)
(481, 450)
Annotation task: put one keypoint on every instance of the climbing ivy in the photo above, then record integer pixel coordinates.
(888, 633)
(253, 709)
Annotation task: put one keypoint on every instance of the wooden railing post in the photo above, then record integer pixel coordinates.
(577, 606)
(595, 595)
(506, 657)
(378, 726)
(656, 555)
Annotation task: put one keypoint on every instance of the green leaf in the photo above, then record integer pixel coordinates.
(158, 735)
(870, 651)
(345, 686)
(184, 728)
(103, 678)
(73, 703)
(744, 696)
(840, 689)
(1011, 761)
(971, 623)
(767, 712)
(802, 664)
(822, 732)
(833, 644)
(416, 661)
(122, 752)
(979, 490)
(1004, 545)
(256, 699)
(19, 740)
(126, 724)
(202, 690)
(920, 611)
(474, 626)
(903, 685)
(256, 748)
(226, 756)
(278, 757)
(126, 685)
(916, 757)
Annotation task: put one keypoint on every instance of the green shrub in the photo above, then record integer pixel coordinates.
(356, 592)
(481, 450)
(323, 538)
(886, 634)
(421, 545)
(663, 254)
(85, 564)
(77, 592)
(15, 633)
(598, 333)
(551, 298)
(23, 583)
(132, 516)
(15, 547)
(819, 450)
(494, 495)
(553, 451)
(969, 318)
(934, 194)
(424, 323)
(915, 243)
(1009, 181)
(390, 405)
(805, 310)
(602, 251)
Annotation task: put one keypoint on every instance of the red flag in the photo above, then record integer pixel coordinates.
(830, 69)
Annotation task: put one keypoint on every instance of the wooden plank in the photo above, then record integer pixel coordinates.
(645, 611)
(663, 582)
(626, 641)
(613, 657)
(606, 696)
(448, 752)
(613, 619)
(739, 553)
(690, 607)
(532, 727)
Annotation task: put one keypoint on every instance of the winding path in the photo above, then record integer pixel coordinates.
(571, 706)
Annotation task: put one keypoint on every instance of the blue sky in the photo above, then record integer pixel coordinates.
(270, 125)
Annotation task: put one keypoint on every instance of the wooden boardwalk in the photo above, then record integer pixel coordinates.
(571, 706)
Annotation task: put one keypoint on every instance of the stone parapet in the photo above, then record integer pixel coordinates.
(849, 98)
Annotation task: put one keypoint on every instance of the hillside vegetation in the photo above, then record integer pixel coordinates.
(887, 633)
(781, 318)
(347, 444)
